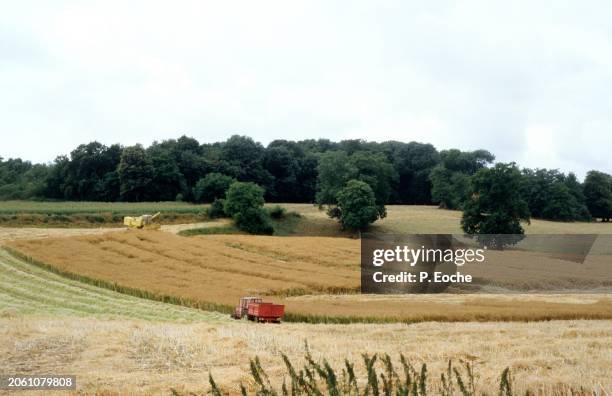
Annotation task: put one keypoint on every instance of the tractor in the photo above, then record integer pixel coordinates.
(258, 311)
(140, 222)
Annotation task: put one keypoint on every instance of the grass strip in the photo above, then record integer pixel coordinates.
(185, 302)
(230, 229)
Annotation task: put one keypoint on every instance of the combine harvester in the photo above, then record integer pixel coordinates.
(142, 222)
(258, 311)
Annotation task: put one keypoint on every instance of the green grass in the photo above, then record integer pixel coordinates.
(71, 207)
(285, 226)
(229, 229)
(93, 214)
(28, 289)
(288, 224)
(379, 375)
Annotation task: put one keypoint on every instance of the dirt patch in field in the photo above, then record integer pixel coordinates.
(16, 233)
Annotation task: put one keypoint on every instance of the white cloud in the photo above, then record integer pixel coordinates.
(527, 80)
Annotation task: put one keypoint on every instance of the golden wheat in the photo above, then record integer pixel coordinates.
(214, 271)
(117, 357)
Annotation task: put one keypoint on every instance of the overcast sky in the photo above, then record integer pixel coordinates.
(530, 81)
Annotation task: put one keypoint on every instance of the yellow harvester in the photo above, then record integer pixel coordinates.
(144, 221)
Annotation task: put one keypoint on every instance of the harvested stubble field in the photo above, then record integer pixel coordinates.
(420, 219)
(15, 233)
(133, 357)
(314, 222)
(315, 277)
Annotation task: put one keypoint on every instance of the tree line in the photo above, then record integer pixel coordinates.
(312, 171)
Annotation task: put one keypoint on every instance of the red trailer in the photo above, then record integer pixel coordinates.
(265, 312)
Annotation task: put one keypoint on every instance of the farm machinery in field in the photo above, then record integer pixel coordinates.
(258, 311)
(140, 222)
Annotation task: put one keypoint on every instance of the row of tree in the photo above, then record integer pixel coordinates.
(549, 194)
(288, 171)
(170, 170)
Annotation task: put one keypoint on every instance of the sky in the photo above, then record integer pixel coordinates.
(529, 81)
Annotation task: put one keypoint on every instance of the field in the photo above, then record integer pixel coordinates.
(73, 305)
(15, 233)
(29, 290)
(313, 222)
(411, 219)
(118, 344)
(92, 214)
(63, 207)
(315, 277)
(118, 357)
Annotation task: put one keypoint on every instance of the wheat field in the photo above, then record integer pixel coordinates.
(118, 357)
(118, 344)
(422, 219)
(316, 278)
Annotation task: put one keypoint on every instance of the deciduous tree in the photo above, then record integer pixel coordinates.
(598, 194)
(135, 173)
(213, 186)
(357, 206)
(495, 205)
(244, 203)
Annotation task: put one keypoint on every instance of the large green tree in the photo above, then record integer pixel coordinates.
(244, 203)
(552, 195)
(375, 170)
(449, 189)
(168, 181)
(598, 194)
(577, 190)
(22, 180)
(450, 179)
(336, 168)
(56, 177)
(495, 205)
(90, 174)
(243, 158)
(135, 173)
(334, 171)
(413, 163)
(213, 186)
(283, 164)
(356, 205)
(561, 204)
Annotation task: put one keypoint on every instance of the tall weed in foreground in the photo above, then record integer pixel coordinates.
(379, 378)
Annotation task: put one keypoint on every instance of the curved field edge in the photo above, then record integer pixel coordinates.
(310, 317)
(186, 302)
(27, 288)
